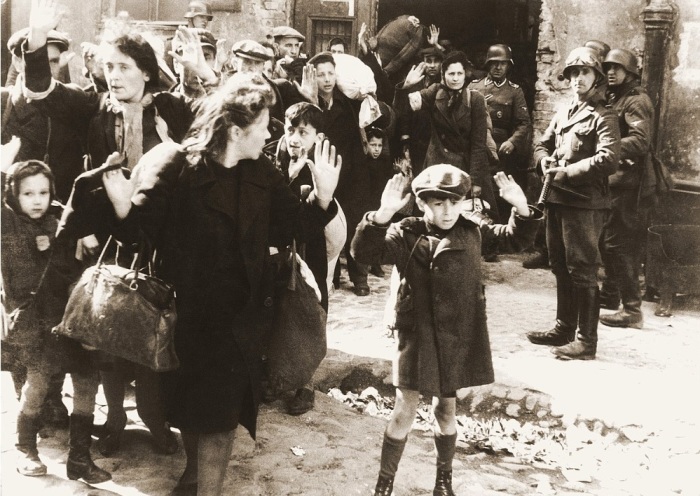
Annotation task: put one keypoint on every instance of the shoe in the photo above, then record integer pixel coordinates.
(185, 489)
(443, 484)
(622, 319)
(609, 303)
(491, 257)
(28, 461)
(165, 441)
(384, 487)
(302, 402)
(553, 337)
(575, 351)
(376, 270)
(110, 435)
(361, 289)
(538, 260)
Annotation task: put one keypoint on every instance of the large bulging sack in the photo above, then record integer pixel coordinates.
(353, 77)
(398, 43)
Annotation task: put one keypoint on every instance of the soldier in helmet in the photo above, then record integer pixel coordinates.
(625, 230)
(579, 150)
(198, 14)
(509, 115)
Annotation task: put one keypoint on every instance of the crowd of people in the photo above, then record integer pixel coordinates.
(215, 157)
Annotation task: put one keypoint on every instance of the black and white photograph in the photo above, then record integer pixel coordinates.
(350, 247)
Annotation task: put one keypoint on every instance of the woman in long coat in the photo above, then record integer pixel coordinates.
(213, 207)
(459, 121)
(131, 118)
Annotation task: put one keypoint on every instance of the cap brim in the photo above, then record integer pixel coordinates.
(439, 193)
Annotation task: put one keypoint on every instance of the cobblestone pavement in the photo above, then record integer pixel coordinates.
(629, 417)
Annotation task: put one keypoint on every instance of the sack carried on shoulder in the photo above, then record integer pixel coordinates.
(124, 312)
(298, 339)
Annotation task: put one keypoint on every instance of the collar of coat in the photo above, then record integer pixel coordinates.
(584, 110)
(614, 93)
(454, 239)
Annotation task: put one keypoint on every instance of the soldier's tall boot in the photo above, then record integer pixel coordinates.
(564, 330)
(585, 347)
(627, 271)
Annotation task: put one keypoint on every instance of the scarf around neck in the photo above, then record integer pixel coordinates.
(454, 95)
(128, 127)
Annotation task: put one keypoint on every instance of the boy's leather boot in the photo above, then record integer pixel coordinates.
(80, 464)
(445, 446)
(384, 487)
(28, 461)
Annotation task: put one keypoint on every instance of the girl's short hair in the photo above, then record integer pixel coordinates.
(239, 102)
(22, 170)
(132, 43)
(306, 113)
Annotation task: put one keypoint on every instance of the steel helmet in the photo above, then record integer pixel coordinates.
(583, 57)
(498, 53)
(623, 57)
(198, 8)
(602, 47)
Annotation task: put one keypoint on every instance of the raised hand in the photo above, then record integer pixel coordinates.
(362, 38)
(308, 87)
(222, 55)
(9, 152)
(434, 35)
(415, 75)
(297, 163)
(119, 189)
(511, 192)
(395, 196)
(325, 170)
(192, 56)
(43, 17)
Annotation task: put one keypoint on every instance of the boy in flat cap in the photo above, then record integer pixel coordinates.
(440, 312)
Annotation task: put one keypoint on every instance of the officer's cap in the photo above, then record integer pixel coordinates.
(286, 32)
(249, 49)
(57, 38)
(442, 181)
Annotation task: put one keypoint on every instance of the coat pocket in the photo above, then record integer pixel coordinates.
(403, 310)
(581, 135)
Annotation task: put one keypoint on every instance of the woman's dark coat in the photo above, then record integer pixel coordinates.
(189, 217)
(443, 342)
(91, 114)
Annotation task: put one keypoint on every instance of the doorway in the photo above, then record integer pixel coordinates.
(474, 25)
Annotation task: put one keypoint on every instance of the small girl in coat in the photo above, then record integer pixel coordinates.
(443, 343)
(28, 231)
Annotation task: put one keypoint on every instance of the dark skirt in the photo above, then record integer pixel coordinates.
(212, 390)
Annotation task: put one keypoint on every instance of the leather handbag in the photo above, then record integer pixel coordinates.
(124, 312)
(297, 342)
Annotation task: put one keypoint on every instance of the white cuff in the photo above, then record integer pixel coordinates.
(32, 95)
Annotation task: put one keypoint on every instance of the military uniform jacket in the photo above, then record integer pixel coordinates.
(586, 138)
(440, 312)
(508, 111)
(636, 116)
